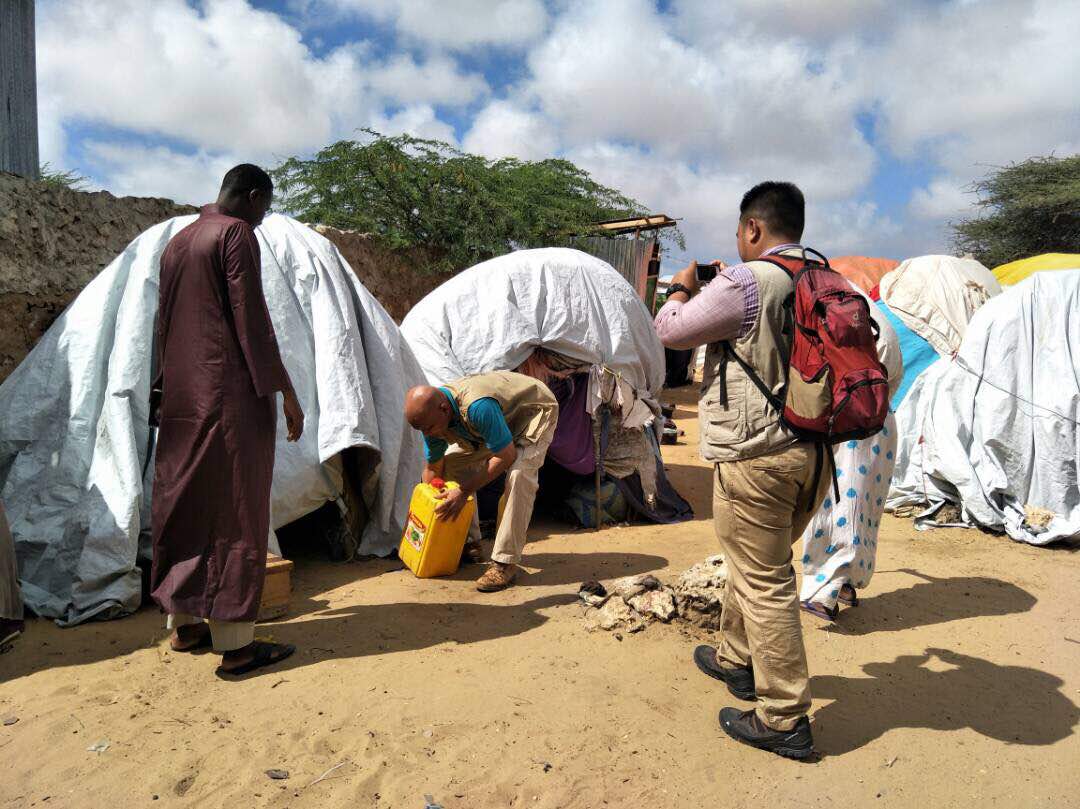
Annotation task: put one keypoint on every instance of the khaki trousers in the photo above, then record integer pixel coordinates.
(227, 636)
(11, 606)
(760, 507)
(522, 481)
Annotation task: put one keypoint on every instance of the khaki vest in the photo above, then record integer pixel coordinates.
(748, 425)
(527, 404)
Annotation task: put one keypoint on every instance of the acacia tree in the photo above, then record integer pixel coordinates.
(462, 207)
(1027, 208)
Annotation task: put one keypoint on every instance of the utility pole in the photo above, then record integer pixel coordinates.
(18, 89)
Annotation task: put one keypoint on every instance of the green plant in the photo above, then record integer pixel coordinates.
(61, 179)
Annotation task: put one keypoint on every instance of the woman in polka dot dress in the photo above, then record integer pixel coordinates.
(840, 544)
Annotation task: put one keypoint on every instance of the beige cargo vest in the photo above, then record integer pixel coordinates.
(527, 404)
(748, 426)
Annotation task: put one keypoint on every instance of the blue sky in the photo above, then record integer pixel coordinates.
(883, 112)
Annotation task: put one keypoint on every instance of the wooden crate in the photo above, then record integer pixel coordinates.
(277, 588)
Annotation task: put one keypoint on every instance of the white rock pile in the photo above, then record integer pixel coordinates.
(633, 602)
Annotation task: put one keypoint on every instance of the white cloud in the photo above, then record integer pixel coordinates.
(942, 199)
(158, 171)
(503, 129)
(438, 80)
(457, 24)
(710, 22)
(224, 78)
(615, 70)
(231, 77)
(228, 78)
(418, 120)
(987, 82)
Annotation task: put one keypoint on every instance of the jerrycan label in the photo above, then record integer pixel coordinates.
(415, 531)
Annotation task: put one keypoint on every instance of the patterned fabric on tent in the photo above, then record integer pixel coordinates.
(1016, 271)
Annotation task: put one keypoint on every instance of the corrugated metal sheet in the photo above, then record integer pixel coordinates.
(18, 89)
(629, 256)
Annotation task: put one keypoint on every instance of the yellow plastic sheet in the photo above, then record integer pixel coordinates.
(1016, 271)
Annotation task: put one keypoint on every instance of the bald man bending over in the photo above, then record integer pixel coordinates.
(498, 422)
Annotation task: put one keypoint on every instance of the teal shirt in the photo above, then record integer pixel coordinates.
(488, 419)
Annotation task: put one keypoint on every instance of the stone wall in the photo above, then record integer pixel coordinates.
(53, 241)
(398, 278)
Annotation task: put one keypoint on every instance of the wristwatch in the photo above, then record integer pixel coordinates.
(673, 288)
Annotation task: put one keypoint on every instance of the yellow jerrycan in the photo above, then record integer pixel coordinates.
(431, 545)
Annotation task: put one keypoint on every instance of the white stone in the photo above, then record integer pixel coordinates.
(655, 603)
(699, 592)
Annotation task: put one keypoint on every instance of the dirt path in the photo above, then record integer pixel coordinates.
(956, 683)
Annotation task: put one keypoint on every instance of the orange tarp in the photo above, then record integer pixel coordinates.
(863, 272)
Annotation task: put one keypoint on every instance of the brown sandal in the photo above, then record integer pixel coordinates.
(848, 597)
(819, 610)
(497, 577)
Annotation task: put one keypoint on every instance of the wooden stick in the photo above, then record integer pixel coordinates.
(323, 776)
(599, 436)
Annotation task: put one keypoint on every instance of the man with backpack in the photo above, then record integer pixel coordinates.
(768, 429)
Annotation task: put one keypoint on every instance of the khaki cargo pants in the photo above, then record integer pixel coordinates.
(522, 481)
(760, 507)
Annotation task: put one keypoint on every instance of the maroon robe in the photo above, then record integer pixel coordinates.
(218, 370)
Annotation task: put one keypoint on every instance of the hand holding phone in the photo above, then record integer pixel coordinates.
(707, 270)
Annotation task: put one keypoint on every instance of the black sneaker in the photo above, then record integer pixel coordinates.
(740, 682)
(745, 727)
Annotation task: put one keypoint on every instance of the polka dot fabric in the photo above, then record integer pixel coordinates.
(840, 544)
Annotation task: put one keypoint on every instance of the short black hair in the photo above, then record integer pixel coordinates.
(245, 178)
(781, 206)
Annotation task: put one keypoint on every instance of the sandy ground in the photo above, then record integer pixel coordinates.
(955, 683)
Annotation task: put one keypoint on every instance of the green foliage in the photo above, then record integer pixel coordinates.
(61, 179)
(1027, 208)
(461, 207)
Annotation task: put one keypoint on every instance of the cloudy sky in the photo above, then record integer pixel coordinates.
(883, 112)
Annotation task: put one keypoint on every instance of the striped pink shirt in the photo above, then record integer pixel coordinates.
(724, 310)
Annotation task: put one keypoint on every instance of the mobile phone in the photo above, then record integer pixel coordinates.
(705, 272)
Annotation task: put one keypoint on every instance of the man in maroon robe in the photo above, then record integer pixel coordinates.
(219, 371)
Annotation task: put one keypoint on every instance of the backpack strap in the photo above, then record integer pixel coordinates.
(770, 397)
(821, 448)
(780, 264)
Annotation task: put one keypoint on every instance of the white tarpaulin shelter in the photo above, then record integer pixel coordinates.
(494, 315)
(580, 314)
(997, 429)
(74, 473)
(935, 297)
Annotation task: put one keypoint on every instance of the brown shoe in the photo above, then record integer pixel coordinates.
(473, 552)
(497, 577)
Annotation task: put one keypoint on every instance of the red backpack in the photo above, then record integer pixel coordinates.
(836, 389)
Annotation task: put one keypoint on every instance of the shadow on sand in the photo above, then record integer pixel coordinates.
(942, 690)
(352, 631)
(933, 601)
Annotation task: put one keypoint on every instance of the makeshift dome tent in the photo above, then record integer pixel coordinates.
(995, 431)
(864, 272)
(935, 297)
(571, 320)
(1016, 271)
(75, 451)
